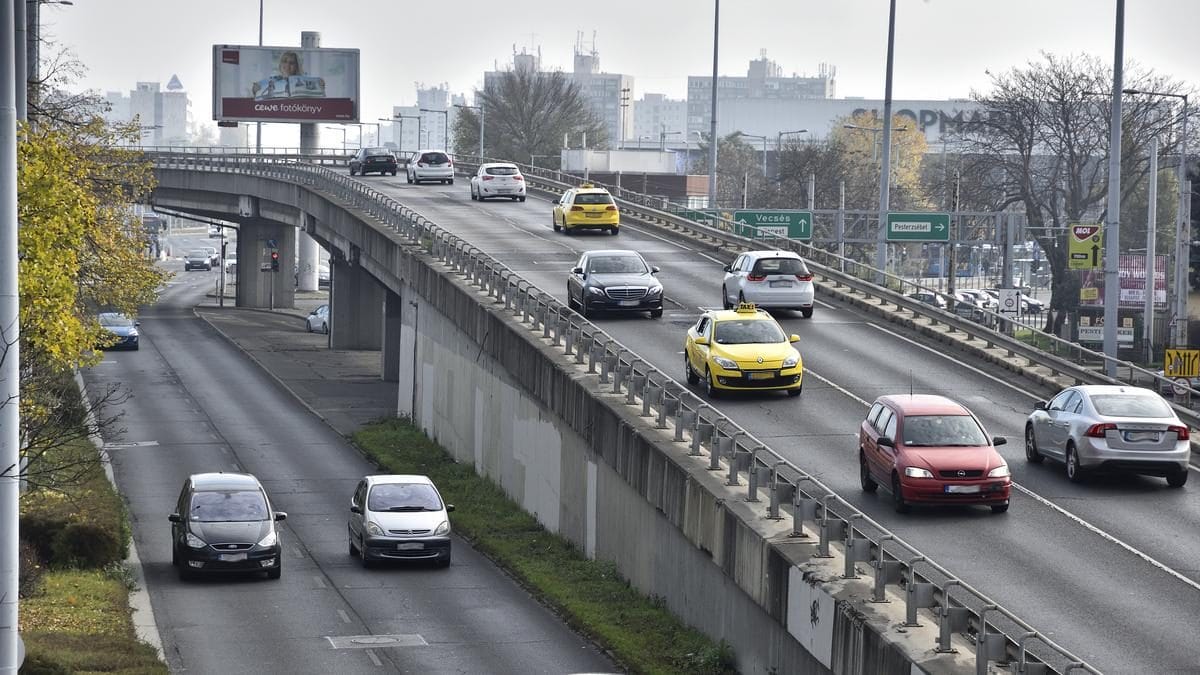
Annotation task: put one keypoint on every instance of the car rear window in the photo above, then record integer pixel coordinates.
(502, 171)
(748, 331)
(434, 158)
(593, 198)
(780, 266)
(942, 431)
(403, 497)
(223, 506)
(1131, 405)
(379, 151)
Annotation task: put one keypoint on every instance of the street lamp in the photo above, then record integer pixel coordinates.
(712, 143)
(481, 118)
(873, 130)
(341, 129)
(641, 138)
(764, 140)
(1183, 236)
(400, 119)
(885, 171)
(445, 125)
(258, 125)
(779, 147)
(662, 137)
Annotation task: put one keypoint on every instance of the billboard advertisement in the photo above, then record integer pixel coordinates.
(1131, 273)
(284, 84)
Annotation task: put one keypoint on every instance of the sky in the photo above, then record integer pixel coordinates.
(943, 48)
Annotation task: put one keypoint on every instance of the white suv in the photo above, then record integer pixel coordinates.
(498, 180)
(432, 165)
(769, 279)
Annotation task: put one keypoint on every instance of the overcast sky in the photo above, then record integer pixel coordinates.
(943, 47)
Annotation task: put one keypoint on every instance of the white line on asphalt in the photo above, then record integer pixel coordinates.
(345, 617)
(297, 551)
(320, 583)
(847, 392)
(374, 659)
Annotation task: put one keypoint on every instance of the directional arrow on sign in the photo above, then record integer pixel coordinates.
(1095, 256)
(939, 227)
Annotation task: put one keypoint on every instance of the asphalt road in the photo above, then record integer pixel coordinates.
(195, 403)
(1109, 569)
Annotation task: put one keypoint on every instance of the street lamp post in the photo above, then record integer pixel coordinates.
(712, 142)
(445, 125)
(30, 89)
(258, 125)
(764, 157)
(1183, 235)
(885, 168)
(662, 137)
(642, 138)
(343, 130)
(1112, 228)
(779, 147)
(481, 118)
(400, 119)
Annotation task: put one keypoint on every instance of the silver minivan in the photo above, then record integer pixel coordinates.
(399, 517)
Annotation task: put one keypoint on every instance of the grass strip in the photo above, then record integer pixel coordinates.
(639, 631)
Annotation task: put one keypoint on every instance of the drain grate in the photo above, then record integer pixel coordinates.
(375, 641)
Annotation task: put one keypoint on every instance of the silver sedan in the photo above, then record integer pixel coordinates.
(1110, 428)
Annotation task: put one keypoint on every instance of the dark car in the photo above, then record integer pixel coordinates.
(223, 522)
(374, 159)
(929, 298)
(197, 259)
(612, 280)
(123, 329)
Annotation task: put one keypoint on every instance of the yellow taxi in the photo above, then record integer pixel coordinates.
(742, 349)
(586, 207)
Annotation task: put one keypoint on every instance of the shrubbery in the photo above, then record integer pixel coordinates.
(85, 529)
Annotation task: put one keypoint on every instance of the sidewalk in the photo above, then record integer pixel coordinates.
(341, 387)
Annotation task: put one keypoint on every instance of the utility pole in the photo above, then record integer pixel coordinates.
(258, 125)
(886, 164)
(22, 55)
(1112, 228)
(624, 115)
(712, 138)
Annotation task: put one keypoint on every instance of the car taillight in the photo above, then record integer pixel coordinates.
(487, 177)
(804, 277)
(518, 178)
(1098, 430)
(576, 208)
(756, 277)
(1181, 432)
(610, 208)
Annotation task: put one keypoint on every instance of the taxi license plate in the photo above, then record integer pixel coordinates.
(232, 557)
(628, 303)
(410, 546)
(962, 489)
(761, 376)
(781, 284)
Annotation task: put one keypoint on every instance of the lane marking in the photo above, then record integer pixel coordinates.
(320, 583)
(374, 659)
(345, 617)
(945, 356)
(132, 444)
(838, 387)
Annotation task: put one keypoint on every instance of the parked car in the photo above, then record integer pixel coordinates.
(231, 265)
(586, 207)
(968, 306)
(614, 280)
(1110, 428)
(223, 522)
(397, 517)
(769, 279)
(498, 180)
(317, 320)
(981, 297)
(430, 165)
(931, 449)
(197, 259)
(1029, 304)
(742, 349)
(929, 298)
(123, 330)
(374, 159)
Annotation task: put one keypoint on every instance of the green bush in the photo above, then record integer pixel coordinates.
(31, 571)
(40, 663)
(88, 545)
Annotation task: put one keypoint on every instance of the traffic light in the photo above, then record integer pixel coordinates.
(274, 260)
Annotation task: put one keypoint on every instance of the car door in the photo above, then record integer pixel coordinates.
(697, 355)
(880, 457)
(575, 279)
(181, 508)
(355, 522)
(732, 281)
(1054, 427)
(560, 207)
(867, 433)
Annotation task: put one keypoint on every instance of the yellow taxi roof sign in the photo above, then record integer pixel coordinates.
(586, 186)
(747, 308)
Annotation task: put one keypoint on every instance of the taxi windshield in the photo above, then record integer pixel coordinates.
(748, 331)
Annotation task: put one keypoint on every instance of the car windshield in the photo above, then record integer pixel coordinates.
(225, 506)
(748, 331)
(1131, 405)
(938, 431)
(115, 320)
(404, 497)
(616, 264)
(197, 254)
(502, 170)
(780, 266)
(593, 198)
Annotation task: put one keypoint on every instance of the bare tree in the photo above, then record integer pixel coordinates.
(739, 172)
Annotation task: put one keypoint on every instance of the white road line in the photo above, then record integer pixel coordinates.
(320, 583)
(847, 392)
(345, 617)
(374, 659)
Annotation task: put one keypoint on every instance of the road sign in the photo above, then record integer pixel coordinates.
(790, 224)
(918, 227)
(1085, 247)
(1182, 363)
(1010, 302)
(1181, 386)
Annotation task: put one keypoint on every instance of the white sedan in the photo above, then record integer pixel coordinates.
(498, 180)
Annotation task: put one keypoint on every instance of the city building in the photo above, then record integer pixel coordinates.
(434, 129)
(764, 81)
(657, 117)
(164, 116)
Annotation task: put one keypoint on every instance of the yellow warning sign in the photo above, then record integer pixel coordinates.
(1085, 247)
(1089, 293)
(1182, 362)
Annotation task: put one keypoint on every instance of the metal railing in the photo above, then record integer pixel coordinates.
(958, 608)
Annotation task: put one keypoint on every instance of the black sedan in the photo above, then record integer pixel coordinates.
(373, 159)
(614, 280)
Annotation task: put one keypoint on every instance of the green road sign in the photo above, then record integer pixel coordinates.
(918, 227)
(790, 224)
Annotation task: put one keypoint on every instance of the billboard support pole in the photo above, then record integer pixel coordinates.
(307, 253)
(258, 125)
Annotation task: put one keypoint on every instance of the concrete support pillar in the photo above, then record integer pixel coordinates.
(258, 286)
(308, 257)
(355, 307)
(407, 398)
(393, 322)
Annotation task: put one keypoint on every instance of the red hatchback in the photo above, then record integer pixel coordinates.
(930, 449)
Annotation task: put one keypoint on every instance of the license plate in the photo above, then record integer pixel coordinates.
(1141, 435)
(628, 303)
(962, 489)
(232, 557)
(781, 284)
(410, 546)
(594, 215)
(761, 376)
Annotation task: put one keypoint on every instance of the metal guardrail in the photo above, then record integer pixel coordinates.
(998, 634)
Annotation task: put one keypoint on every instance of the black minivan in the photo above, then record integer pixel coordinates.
(223, 522)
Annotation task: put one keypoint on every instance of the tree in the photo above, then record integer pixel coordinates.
(739, 171)
(527, 113)
(1041, 142)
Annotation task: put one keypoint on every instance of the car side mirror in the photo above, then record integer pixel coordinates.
(576, 270)
(999, 440)
(885, 441)
(654, 269)
(281, 515)
(793, 338)
(137, 323)
(1040, 405)
(701, 341)
(175, 518)
(355, 509)
(449, 508)
(727, 268)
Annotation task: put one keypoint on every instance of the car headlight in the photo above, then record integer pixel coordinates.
(917, 472)
(194, 542)
(594, 290)
(654, 290)
(999, 472)
(374, 530)
(725, 363)
(791, 361)
(270, 540)
(443, 528)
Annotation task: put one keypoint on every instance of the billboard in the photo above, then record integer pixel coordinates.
(1131, 274)
(284, 84)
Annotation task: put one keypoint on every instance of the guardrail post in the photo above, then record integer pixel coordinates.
(886, 572)
(988, 646)
(1024, 666)
(579, 356)
(756, 475)
(595, 353)
(778, 492)
(829, 528)
(736, 457)
(916, 594)
(653, 394)
(683, 418)
(856, 549)
(568, 338)
(637, 387)
(620, 373)
(803, 508)
(950, 619)
(606, 362)
(703, 432)
(543, 317)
